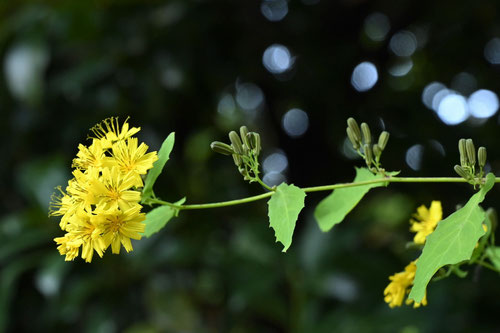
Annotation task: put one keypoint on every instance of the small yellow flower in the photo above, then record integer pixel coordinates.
(399, 286)
(100, 206)
(115, 189)
(118, 227)
(92, 156)
(68, 246)
(426, 221)
(81, 190)
(62, 205)
(131, 158)
(108, 131)
(81, 233)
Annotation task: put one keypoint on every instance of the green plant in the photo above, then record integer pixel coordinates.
(102, 203)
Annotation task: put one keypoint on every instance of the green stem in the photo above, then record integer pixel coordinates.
(318, 189)
(485, 264)
(214, 204)
(264, 184)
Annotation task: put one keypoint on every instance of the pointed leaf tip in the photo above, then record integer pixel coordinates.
(284, 208)
(163, 157)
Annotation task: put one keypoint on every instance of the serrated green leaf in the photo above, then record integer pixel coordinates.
(284, 208)
(493, 254)
(158, 217)
(333, 209)
(163, 156)
(452, 242)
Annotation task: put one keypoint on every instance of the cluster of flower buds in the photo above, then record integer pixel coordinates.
(467, 167)
(361, 140)
(245, 149)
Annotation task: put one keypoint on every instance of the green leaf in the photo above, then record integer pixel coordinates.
(483, 242)
(333, 209)
(158, 217)
(163, 156)
(452, 242)
(493, 254)
(284, 208)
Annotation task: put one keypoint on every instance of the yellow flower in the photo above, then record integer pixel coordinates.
(100, 206)
(81, 232)
(131, 158)
(62, 205)
(81, 190)
(118, 227)
(426, 221)
(109, 131)
(399, 286)
(115, 189)
(91, 156)
(67, 246)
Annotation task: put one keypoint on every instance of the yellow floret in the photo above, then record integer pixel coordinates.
(426, 221)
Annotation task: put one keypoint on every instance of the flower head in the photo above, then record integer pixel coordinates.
(398, 288)
(100, 206)
(119, 226)
(92, 156)
(425, 221)
(109, 132)
(132, 158)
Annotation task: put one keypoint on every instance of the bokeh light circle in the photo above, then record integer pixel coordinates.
(364, 76)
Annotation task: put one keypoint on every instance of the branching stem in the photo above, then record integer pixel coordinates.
(387, 179)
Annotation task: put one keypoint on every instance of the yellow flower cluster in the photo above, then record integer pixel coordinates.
(399, 287)
(423, 224)
(100, 206)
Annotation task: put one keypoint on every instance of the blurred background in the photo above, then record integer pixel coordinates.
(426, 71)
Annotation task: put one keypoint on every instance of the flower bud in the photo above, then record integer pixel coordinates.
(353, 125)
(243, 135)
(254, 141)
(383, 139)
(367, 136)
(463, 152)
(246, 150)
(368, 154)
(237, 160)
(352, 138)
(377, 151)
(481, 156)
(236, 142)
(257, 144)
(461, 172)
(471, 152)
(221, 148)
